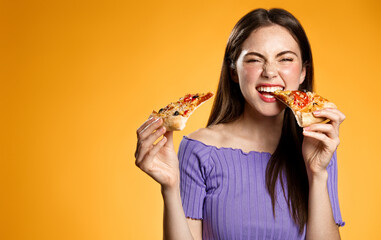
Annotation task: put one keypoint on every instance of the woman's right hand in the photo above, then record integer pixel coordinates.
(157, 160)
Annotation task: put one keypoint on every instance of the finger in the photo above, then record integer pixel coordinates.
(141, 147)
(146, 123)
(148, 158)
(154, 136)
(156, 148)
(327, 129)
(147, 144)
(338, 112)
(333, 114)
(323, 138)
(139, 131)
(144, 133)
(140, 154)
(316, 135)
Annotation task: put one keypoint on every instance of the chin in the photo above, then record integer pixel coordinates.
(273, 113)
(269, 111)
(257, 106)
(274, 110)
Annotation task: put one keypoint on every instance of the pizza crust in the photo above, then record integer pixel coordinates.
(172, 123)
(306, 119)
(175, 115)
(305, 116)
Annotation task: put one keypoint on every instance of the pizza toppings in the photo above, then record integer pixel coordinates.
(301, 99)
(176, 114)
(296, 99)
(303, 104)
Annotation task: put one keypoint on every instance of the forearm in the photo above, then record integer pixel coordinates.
(174, 222)
(320, 223)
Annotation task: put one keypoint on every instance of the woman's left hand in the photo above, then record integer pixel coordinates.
(321, 140)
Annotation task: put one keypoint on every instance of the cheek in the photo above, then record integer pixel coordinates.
(249, 74)
(292, 72)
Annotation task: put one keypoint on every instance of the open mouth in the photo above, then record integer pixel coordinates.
(266, 92)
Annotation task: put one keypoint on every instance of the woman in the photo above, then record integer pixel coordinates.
(252, 172)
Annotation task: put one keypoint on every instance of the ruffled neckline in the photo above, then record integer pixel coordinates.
(228, 148)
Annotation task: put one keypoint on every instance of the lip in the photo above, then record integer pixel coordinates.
(265, 99)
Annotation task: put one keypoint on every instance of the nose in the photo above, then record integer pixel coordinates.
(269, 70)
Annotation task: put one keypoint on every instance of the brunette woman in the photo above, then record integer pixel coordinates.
(252, 173)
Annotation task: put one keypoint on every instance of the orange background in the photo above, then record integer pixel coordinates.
(79, 77)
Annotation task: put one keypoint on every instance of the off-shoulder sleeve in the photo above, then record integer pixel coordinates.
(333, 192)
(193, 158)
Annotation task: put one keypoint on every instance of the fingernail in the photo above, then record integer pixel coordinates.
(316, 112)
(306, 128)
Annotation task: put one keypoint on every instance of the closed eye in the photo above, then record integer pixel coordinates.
(253, 60)
(286, 59)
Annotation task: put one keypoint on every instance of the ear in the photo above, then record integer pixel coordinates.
(233, 74)
(302, 74)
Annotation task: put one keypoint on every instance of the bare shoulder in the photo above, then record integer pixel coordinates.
(210, 136)
(203, 135)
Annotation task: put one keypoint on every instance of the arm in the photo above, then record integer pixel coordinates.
(319, 145)
(175, 223)
(161, 163)
(320, 224)
(195, 226)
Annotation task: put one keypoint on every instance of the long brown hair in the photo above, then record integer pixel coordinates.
(287, 160)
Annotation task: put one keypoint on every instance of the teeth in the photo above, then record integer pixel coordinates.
(268, 89)
(268, 96)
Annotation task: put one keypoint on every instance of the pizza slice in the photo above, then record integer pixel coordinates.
(303, 104)
(176, 114)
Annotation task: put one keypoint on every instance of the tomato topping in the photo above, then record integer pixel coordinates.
(188, 98)
(185, 112)
(300, 99)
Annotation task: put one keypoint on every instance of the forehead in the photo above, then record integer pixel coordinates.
(270, 39)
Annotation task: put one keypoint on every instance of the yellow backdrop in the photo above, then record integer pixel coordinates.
(79, 77)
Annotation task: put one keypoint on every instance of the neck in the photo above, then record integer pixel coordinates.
(260, 129)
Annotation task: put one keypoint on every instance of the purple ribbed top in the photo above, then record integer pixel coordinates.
(226, 188)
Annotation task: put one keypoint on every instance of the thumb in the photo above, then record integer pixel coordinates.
(169, 136)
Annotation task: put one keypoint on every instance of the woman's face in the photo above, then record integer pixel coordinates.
(270, 60)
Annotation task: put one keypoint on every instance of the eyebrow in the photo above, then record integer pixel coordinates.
(279, 54)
